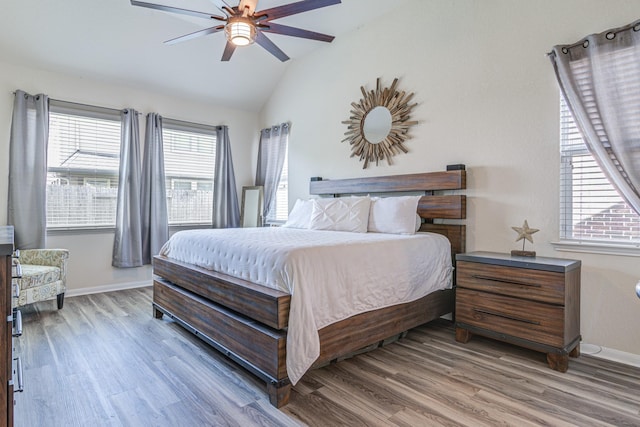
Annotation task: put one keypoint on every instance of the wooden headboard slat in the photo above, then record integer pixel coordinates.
(430, 181)
(443, 207)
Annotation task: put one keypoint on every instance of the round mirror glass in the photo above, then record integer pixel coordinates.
(377, 124)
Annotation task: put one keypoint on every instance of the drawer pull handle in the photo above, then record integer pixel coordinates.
(506, 316)
(17, 323)
(18, 373)
(512, 282)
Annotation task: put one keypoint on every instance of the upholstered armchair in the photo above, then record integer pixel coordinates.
(44, 275)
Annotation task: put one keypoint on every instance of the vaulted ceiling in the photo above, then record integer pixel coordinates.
(113, 41)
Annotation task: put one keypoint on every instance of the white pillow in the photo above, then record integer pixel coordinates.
(394, 215)
(300, 215)
(341, 214)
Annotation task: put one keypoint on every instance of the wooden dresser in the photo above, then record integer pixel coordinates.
(533, 302)
(6, 331)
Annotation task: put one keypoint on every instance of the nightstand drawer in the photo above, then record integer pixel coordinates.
(536, 285)
(528, 320)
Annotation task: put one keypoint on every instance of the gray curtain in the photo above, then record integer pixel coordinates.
(600, 79)
(226, 213)
(27, 210)
(154, 221)
(271, 153)
(127, 244)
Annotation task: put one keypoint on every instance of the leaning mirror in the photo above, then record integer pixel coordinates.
(379, 124)
(251, 209)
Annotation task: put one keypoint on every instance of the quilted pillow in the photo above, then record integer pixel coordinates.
(341, 214)
(393, 215)
(300, 215)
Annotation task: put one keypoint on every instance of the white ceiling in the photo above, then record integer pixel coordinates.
(113, 41)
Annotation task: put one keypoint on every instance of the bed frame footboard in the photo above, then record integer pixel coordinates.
(262, 350)
(256, 347)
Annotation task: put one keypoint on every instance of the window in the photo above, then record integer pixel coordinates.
(84, 159)
(281, 211)
(591, 209)
(83, 156)
(189, 163)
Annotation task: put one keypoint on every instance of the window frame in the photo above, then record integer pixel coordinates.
(193, 128)
(585, 245)
(85, 111)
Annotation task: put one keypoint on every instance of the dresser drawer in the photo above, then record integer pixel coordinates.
(528, 320)
(536, 285)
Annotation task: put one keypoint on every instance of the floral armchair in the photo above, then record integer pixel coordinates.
(44, 275)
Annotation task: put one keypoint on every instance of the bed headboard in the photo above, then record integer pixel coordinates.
(437, 203)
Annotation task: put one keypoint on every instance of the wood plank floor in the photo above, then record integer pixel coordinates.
(103, 360)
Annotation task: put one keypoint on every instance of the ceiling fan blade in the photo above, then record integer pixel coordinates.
(263, 41)
(219, 4)
(296, 32)
(294, 8)
(228, 51)
(176, 10)
(251, 4)
(196, 34)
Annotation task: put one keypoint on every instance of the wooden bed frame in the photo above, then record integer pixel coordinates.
(247, 322)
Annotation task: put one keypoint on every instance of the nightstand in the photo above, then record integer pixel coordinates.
(533, 302)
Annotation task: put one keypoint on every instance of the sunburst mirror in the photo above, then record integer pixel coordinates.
(379, 124)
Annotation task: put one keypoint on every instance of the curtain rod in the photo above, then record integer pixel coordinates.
(124, 109)
(81, 104)
(609, 35)
(184, 122)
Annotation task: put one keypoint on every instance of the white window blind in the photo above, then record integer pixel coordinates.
(189, 162)
(591, 209)
(83, 156)
(281, 211)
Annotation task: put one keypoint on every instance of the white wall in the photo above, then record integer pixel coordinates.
(487, 98)
(90, 254)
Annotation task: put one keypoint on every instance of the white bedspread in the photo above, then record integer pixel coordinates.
(331, 275)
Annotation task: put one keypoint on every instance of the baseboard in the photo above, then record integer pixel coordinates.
(610, 354)
(106, 288)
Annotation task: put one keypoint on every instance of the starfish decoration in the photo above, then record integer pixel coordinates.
(525, 232)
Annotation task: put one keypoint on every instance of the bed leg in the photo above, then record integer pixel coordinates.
(279, 393)
(157, 313)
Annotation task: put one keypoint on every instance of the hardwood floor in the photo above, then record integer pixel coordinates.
(103, 360)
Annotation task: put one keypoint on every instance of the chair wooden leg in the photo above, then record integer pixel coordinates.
(60, 298)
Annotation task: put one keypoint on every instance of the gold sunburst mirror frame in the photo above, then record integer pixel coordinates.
(371, 140)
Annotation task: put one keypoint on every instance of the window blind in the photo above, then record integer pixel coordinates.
(591, 209)
(281, 211)
(83, 156)
(189, 162)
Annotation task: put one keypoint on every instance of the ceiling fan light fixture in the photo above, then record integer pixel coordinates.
(240, 31)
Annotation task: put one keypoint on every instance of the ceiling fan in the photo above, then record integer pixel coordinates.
(243, 25)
